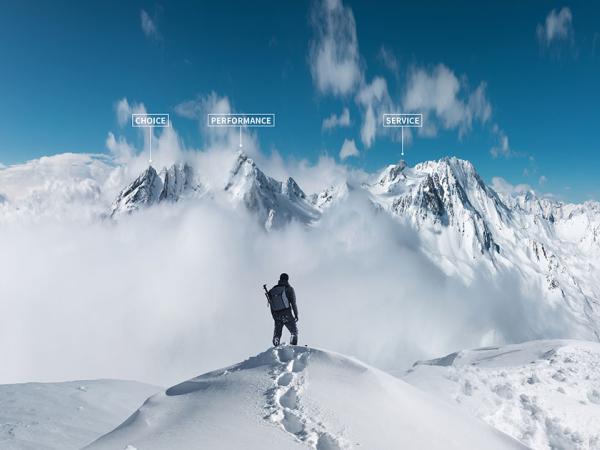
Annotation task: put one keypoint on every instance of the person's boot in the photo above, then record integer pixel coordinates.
(275, 341)
(294, 339)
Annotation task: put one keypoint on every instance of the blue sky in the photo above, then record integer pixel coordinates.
(525, 74)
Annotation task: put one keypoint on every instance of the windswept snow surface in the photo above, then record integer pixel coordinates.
(297, 397)
(545, 393)
(63, 416)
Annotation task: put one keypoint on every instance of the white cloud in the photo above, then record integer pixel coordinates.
(334, 58)
(502, 186)
(149, 26)
(217, 137)
(68, 184)
(343, 120)
(478, 106)
(438, 94)
(190, 109)
(348, 149)
(557, 27)
(124, 110)
(542, 180)
(119, 147)
(389, 60)
(374, 100)
(502, 147)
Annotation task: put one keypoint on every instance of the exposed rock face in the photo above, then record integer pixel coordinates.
(151, 188)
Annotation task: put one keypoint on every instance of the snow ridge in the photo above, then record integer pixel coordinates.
(297, 397)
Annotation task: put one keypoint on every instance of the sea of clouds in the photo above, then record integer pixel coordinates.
(176, 290)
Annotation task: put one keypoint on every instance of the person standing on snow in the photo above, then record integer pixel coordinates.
(282, 300)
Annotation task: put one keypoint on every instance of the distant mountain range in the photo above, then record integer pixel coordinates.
(464, 224)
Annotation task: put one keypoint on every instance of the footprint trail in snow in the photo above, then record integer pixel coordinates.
(284, 401)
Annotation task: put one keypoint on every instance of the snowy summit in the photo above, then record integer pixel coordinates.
(297, 397)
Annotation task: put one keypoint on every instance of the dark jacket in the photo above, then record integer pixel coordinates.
(291, 296)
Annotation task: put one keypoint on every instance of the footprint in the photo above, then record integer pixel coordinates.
(285, 354)
(289, 399)
(292, 423)
(326, 442)
(299, 363)
(285, 379)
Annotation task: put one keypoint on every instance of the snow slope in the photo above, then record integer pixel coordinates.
(299, 397)
(545, 393)
(63, 416)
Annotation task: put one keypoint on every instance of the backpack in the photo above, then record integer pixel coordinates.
(278, 298)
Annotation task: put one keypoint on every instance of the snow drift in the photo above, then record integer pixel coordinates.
(294, 397)
(544, 393)
(65, 416)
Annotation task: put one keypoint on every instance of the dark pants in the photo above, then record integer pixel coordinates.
(286, 318)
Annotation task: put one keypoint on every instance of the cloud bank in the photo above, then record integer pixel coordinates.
(175, 290)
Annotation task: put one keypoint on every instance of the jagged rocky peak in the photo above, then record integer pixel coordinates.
(245, 178)
(330, 196)
(177, 179)
(292, 189)
(142, 192)
(527, 201)
(392, 175)
(275, 203)
(452, 170)
(150, 187)
(461, 168)
(447, 192)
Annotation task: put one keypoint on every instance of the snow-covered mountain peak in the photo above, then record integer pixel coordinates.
(291, 189)
(295, 397)
(330, 196)
(245, 177)
(142, 192)
(453, 171)
(150, 187)
(391, 176)
(275, 203)
(447, 193)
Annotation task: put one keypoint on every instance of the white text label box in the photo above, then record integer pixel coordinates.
(403, 120)
(241, 120)
(150, 120)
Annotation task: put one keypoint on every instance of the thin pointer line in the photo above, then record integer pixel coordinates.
(402, 128)
(150, 130)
